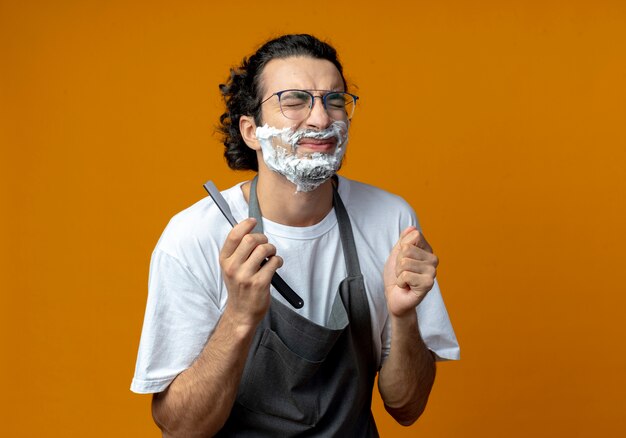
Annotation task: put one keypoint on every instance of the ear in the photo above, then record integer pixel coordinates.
(247, 127)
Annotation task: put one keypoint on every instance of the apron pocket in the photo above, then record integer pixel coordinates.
(280, 383)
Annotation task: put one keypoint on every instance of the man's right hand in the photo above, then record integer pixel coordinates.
(248, 282)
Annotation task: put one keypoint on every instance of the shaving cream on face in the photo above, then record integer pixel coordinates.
(306, 171)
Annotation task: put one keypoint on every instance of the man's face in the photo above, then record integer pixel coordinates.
(303, 73)
(307, 150)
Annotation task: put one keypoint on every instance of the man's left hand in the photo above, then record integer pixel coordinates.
(409, 272)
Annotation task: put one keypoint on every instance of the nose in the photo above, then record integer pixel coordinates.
(318, 118)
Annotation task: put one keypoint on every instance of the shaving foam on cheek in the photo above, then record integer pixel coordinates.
(307, 172)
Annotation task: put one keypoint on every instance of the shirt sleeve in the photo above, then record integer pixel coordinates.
(434, 325)
(180, 316)
(432, 318)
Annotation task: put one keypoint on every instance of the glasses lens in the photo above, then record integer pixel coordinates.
(295, 104)
(340, 105)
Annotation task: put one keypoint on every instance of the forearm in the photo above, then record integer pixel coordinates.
(407, 376)
(198, 402)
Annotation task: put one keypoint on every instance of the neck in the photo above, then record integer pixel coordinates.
(279, 201)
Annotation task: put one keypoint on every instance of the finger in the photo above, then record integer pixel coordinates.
(410, 251)
(249, 243)
(422, 243)
(235, 235)
(267, 271)
(396, 248)
(416, 266)
(416, 238)
(407, 230)
(258, 256)
(414, 281)
(418, 261)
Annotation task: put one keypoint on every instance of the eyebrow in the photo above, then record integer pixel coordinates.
(332, 90)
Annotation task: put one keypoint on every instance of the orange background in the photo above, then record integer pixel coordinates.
(501, 122)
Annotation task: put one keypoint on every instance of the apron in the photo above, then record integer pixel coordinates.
(304, 379)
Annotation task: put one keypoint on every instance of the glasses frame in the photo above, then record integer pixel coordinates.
(309, 92)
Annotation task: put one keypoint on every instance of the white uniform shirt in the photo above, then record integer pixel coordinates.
(187, 293)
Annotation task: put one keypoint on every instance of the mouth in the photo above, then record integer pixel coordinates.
(325, 145)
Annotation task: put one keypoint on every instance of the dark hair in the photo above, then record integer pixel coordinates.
(242, 91)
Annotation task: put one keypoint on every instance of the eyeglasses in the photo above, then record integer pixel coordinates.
(297, 104)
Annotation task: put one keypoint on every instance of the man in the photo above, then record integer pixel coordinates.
(221, 350)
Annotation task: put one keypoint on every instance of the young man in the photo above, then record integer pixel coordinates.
(221, 350)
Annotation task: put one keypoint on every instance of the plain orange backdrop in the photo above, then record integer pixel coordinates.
(501, 122)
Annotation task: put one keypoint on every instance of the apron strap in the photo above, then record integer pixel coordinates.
(345, 231)
(253, 207)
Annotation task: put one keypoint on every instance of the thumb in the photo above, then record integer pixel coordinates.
(390, 265)
(396, 248)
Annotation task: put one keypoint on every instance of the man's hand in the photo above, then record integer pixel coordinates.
(248, 282)
(407, 376)
(409, 272)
